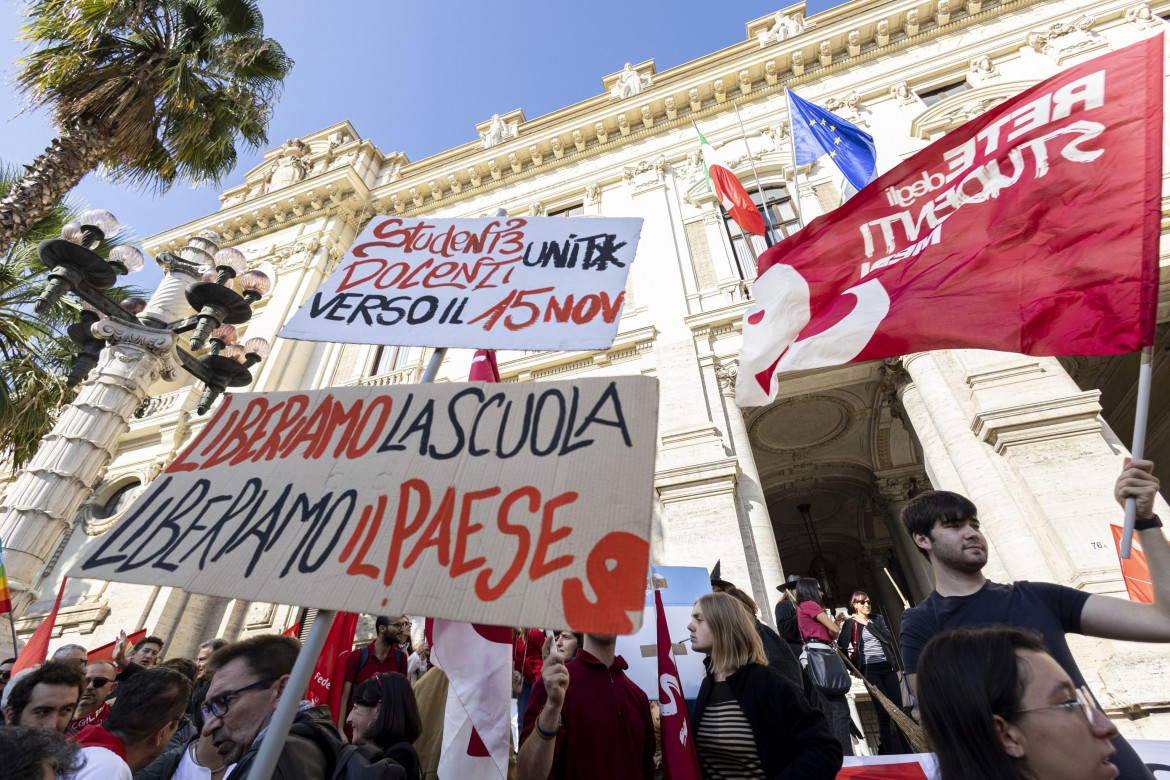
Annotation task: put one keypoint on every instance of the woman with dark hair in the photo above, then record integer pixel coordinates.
(994, 703)
(749, 721)
(819, 630)
(385, 715)
(568, 643)
(870, 646)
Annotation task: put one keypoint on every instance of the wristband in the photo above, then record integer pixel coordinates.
(1146, 523)
(547, 734)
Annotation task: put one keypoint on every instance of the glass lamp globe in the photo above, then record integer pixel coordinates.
(232, 258)
(129, 257)
(100, 219)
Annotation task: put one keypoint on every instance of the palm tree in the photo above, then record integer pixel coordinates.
(154, 90)
(35, 354)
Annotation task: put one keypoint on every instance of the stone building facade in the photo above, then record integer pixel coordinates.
(812, 483)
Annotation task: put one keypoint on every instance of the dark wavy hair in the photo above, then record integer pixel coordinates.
(920, 515)
(808, 589)
(965, 678)
(55, 671)
(398, 719)
(25, 751)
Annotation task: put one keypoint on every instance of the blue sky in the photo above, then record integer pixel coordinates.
(414, 76)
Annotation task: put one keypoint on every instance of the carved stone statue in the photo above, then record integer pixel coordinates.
(784, 27)
(629, 82)
(1141, 17)
(981, 70)
(498, 132)
(901, 92)
(291, 166)
(1062, 39)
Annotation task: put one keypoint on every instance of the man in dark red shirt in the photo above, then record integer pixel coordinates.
(381, 655)
(598, 726)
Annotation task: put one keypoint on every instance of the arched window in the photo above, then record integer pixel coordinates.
(780, 220)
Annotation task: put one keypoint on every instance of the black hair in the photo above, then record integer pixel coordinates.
(965, 677)
(382, 620)
(808, 589)
(925, 509)
(146, 702)
(55, 671)
(398, 719)
(150, 640)
(7, 661)
(25, 751)
(214, 644)
(266, 655)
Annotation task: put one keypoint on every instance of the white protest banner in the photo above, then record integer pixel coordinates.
(513, 504)
(681, 587)
(495, 283)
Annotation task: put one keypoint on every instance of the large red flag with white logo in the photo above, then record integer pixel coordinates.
(679, 759)
(326, 683)
(1033, 228)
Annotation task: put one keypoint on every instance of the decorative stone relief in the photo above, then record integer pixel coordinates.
(436, 190)
(592, 194)
(745, 81)
(848, 108)
(882, 33)
(912, 22)
(797, 63)
(494, 170)
(629, 83)
(1141, 17)
(536, 209)
(853, 43)
(498, 132)
(623, 124)
(942, 12)
(514, 161)
(825, 54)
(416, 196)
(770, 73)
(778, 133)
(720, 91)
(973, 6)
(454, 183)
(645, 175)
(902, 94)
(579, 140)
(671, 111)
(726, 374)
(473, 174)
(784, 26)
(291, 166)
(399, 206)
(695, 101)
(536, 154)
(602, 134)
(558, 148)
(981, 71)
(647, 118)
(1064, 39)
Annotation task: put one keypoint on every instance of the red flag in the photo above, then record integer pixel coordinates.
(37, 648)
(1033, 228)
(483, 367)
(1134, 570)
(679, 760)
(732, 195)
(294, 630)
(106, 651)
(331, 663)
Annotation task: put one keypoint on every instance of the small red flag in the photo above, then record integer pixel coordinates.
(106, 651)
(294, 630)
(331, 663)
(1134, 570)
(37, 648)
(679, 759)
(1033, 229)
(484, 367)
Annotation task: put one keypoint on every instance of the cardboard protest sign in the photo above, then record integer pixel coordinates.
(681, 587)
(513, 504)
(492, 283)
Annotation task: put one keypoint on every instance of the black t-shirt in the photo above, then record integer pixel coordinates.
(1049, 610)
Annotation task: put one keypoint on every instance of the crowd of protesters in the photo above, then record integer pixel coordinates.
(998, 690)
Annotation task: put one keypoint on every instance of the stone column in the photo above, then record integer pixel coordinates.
(39, 505)
(236, 620)
(764, 559)
(896, 490)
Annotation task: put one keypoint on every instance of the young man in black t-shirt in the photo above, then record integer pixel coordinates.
(945, 528)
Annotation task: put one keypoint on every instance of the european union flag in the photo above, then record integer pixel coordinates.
(817, 132)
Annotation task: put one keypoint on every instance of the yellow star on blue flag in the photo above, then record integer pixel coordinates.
(818, 133)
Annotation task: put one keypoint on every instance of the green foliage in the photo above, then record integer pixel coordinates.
(175, 82)
(35, 353)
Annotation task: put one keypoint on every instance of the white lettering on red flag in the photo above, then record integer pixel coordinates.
(1031, 229)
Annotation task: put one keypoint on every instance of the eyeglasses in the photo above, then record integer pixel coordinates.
(862, 601)
(1085, 701)
(403, 624)
(218, 706)
(98, 682)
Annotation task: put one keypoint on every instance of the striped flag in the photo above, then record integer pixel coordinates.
(726, 186)
(5, 595)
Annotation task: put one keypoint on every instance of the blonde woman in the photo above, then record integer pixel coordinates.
(749, 721)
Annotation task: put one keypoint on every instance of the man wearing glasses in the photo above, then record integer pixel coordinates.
(945, 528)
(147, 713)
(93, 709)
(249, 679)
(380, 656)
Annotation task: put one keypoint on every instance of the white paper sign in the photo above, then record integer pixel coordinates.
(507, 504)
(530, 283)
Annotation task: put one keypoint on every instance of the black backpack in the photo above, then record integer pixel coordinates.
(399, 658)
(364, 762)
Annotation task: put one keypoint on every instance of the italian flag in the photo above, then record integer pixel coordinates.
(731, 194)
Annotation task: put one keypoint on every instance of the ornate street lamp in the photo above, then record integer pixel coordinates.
(123, 348)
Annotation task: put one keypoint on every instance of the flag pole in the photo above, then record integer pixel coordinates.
(792, 144)
(1140, 418)
(12, 625)
(298, 681)
(759, 187)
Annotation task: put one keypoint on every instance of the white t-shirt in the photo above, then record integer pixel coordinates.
(189, 770)
(102, 764)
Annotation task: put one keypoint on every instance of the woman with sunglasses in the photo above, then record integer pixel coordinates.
(870, 646)
(385, 714)
(995, 704)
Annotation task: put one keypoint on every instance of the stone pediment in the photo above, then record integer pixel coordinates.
(948, 114)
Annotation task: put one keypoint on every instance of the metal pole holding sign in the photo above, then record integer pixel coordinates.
(1140, 417)
(298, 681)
